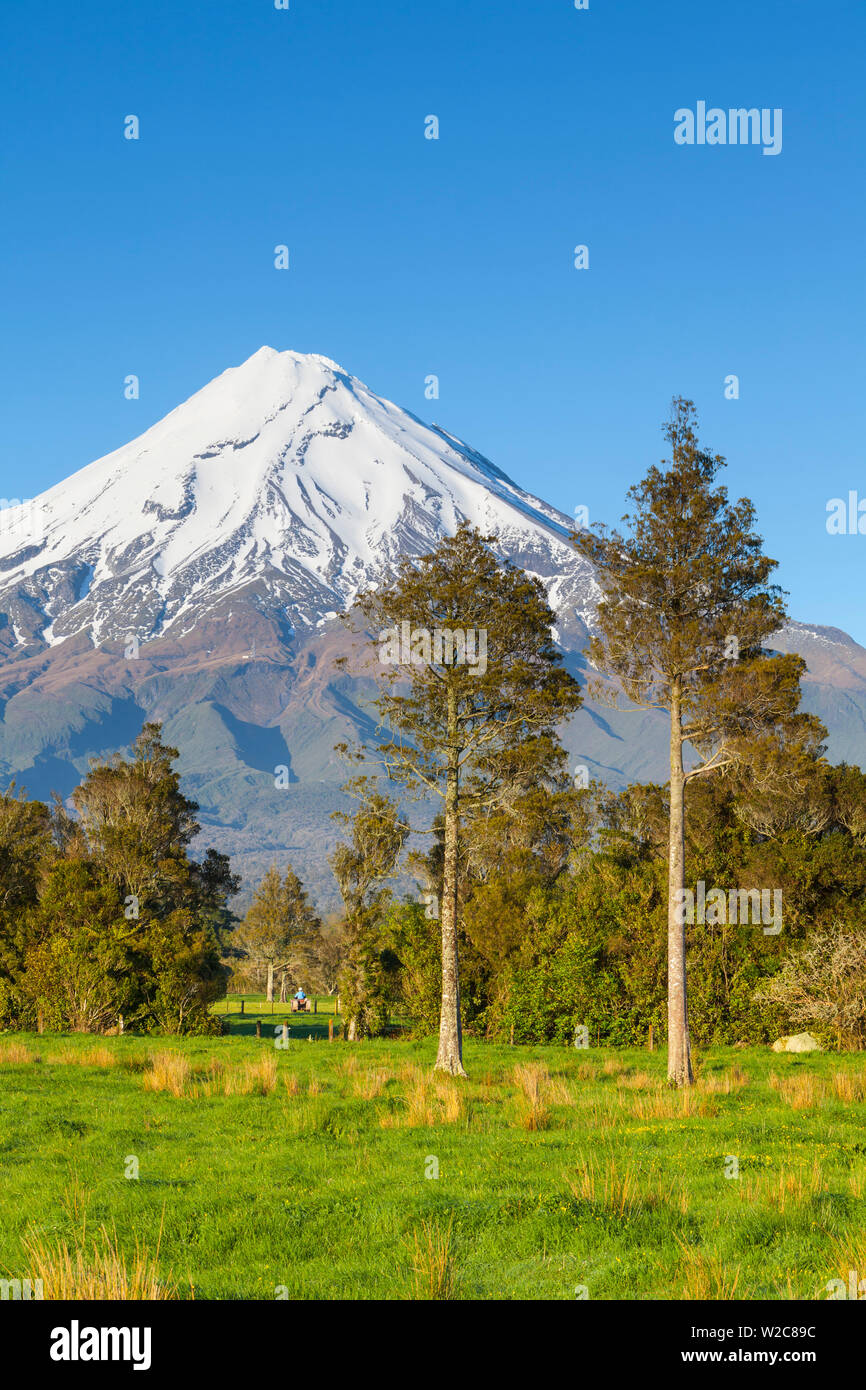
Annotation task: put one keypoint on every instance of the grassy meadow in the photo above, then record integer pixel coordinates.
(310, 1172)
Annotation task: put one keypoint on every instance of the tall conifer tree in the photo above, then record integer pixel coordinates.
(685, 613)
(464, 727)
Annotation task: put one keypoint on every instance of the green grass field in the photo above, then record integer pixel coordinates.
(310, 1172)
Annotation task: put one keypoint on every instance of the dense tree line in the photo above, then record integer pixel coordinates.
(561, 912)
(568, 930)
(104, 914)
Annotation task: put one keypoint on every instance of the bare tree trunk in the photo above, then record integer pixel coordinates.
(679, 1051)
(450, 1055)
(270, 994)
(283, 987)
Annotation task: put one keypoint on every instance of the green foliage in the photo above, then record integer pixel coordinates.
(476, 732)
(546, 951)
(362, 868)
(412, 941)
(105, 914)
(272, 937)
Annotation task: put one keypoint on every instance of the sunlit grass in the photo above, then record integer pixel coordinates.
(355, 1171)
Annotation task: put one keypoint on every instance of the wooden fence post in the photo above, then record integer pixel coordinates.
(243, 1001)
(651, 1043)
(330, 1030)
(258, 1027)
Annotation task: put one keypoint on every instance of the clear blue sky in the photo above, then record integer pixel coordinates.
(411, 256)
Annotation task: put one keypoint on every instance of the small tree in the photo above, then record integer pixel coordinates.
(362, 868)
(471, 694)
(685, 612)
(325, 954)
(279, 919)
(137, 823)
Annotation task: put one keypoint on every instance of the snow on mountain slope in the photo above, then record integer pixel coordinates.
(284, 472)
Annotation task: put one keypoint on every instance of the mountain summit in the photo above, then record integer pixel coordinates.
(286, 475)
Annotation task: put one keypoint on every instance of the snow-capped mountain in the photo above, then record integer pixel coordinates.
(285, 474)
(224, 541)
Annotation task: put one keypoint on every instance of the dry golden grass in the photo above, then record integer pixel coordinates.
(847, 1253)
(612, 1066)
(559, 1092)
(857, 1182)
(420, 1107)
(291, 1083)
(790, 1187)
(431, 1252)
(533, 1082)
(802, 1091)
(667, 1104)
(169, 1071)
(605, 1186)
(256, 1078)
(66, 1057)
(98, 1057)
(706, 1276)
(451, 1099)
(97, 1269)
(314, 1086)
(371, 1084)
(728, 1082)
(849, 1086)
(16, 1054)
(637, 1081)
(428, 1098)
(624, 1191)
(490, 1079)
(599, 1114)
